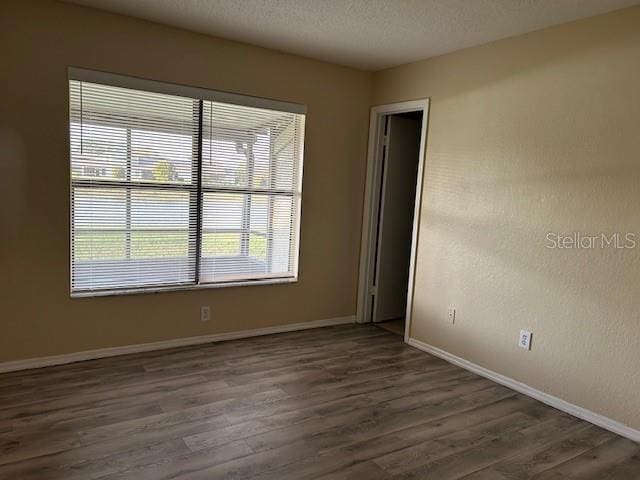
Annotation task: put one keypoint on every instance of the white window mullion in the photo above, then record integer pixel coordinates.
(246, 210)
(272, 175)
(128, 200)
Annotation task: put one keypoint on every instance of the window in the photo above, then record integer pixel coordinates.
(177, 187)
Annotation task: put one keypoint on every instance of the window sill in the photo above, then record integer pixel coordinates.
(180, 288)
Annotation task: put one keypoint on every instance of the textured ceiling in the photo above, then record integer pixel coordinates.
(366, 34)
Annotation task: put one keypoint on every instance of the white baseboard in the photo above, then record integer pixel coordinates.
(576, 411)
(40, 362)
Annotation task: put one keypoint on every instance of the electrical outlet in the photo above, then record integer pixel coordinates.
(205, 313)
(524, 341)
(452, 315)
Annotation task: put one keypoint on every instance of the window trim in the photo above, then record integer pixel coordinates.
(137, 83)
(200, 94)
(182, 288)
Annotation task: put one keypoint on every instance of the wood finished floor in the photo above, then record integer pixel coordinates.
(394, 326)
(348, 402)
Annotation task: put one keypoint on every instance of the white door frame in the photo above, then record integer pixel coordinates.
(371, 198)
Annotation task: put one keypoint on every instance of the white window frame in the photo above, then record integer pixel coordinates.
(135, 83)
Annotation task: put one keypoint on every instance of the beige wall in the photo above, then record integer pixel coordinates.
(38, 40)
(535, 134)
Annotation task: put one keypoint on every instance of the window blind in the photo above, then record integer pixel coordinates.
(172, 191)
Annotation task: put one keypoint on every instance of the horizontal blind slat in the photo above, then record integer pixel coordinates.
(134, 170)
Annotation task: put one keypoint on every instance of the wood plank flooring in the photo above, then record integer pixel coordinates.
(347, 402)
(394, 326)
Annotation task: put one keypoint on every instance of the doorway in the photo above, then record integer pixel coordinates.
(391, 211)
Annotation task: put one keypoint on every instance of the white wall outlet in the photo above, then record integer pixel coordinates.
(452, 315)
(205, 313)
(524, 341)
